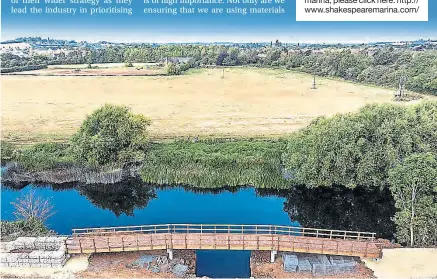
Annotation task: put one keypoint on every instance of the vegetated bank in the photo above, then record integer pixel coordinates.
(216, 163)
(381, 146)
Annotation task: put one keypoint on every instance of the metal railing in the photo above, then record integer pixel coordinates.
(226, 229)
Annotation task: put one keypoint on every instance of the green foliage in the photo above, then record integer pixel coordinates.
(172, 69)
(175, 69)
(360, 148)
(7, 150)
(111, 134)
(44, 156)
(211, 164)
(30, 227)
(413, 184)
(382, 67)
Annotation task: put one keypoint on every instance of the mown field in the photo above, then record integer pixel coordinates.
(247, 102)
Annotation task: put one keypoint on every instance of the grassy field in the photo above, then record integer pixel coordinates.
(247, 102)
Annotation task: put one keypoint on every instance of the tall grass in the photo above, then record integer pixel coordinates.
(215, 163)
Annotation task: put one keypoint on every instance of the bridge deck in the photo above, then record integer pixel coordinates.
(211, 237)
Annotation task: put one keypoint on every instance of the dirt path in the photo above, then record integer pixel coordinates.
(405, 263)
(118, 265)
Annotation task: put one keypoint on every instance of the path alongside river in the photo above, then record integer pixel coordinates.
(406, 263)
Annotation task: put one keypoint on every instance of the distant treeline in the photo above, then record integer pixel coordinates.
(382, 67)
(22, 68)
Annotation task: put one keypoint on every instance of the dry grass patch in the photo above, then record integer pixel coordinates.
(247, 102)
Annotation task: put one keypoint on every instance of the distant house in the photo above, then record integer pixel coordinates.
(176, 60)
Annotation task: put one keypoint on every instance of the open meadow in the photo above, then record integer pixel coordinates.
(247, 102)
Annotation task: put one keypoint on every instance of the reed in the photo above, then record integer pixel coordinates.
(215, 164)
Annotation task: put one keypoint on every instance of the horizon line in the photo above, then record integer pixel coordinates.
(354, 42)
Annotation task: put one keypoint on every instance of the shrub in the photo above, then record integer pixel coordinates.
(111, 134)
(28, 227)
(23, 68)
(7, 150)
(30, 207)
(172, 69)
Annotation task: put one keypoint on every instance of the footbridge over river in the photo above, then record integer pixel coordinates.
(225, 237)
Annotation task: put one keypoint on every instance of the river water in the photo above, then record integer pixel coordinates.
(133, 203)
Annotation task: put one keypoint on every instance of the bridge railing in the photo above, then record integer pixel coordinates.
(227, 229)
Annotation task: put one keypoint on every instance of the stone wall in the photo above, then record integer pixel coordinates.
(319, 264)
(34, 252)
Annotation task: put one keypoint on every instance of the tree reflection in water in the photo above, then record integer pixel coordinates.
(341, 208)
(120, 198)
(338, 208)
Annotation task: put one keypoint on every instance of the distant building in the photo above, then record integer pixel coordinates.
(176, 60)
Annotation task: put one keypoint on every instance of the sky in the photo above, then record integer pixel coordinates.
(140, 27)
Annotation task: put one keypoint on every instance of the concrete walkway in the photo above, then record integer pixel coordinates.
(405, 263)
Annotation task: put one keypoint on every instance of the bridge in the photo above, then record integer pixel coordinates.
(224, 237)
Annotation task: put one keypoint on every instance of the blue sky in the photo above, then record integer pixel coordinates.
(207, 28)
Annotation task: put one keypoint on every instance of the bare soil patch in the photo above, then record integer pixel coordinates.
(247, 102)
(117, 265)
(128, 71)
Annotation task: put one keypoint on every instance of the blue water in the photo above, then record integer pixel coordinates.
(222, 264)
(73, 209)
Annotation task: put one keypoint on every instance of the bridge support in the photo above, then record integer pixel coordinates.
(170, 254)
(273, 256)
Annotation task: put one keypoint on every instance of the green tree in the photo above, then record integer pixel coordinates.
(360, 148)
(413, 184)
(172, 69)
(111, 134)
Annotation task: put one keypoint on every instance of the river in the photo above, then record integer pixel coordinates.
(134, 203)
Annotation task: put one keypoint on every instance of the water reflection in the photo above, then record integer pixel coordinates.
(121, 198)
(342, 209)
(331, 208)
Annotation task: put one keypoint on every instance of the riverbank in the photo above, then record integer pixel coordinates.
(198, 163)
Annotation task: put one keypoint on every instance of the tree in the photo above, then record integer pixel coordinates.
(111, 134)
(32, 207)
(413, 183)
(172, 69)
(358, 149)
